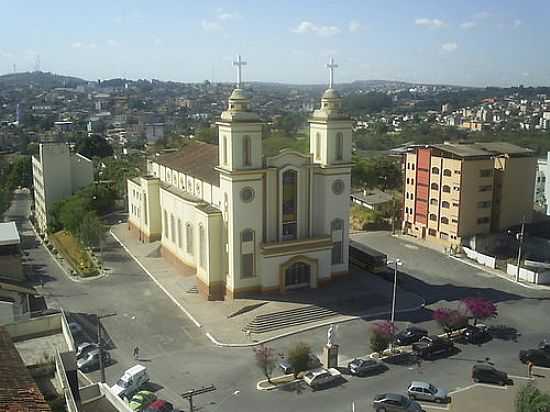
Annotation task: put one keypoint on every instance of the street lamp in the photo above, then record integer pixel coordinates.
(519, 236)
(234, 393)
(396, 263)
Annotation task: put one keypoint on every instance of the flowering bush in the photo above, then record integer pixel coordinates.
(450, 319)
(480, 308)
(382, 334)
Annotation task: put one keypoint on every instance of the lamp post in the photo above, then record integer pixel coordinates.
(395, 264)
(520, 237)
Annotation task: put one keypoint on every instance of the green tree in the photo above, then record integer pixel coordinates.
(20, 173)
(92, 230)
(530, 399)
(379, 343)
(208, 134)
(94, 146)
(298, 357)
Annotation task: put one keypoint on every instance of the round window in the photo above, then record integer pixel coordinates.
(247, 194)
(338, 187)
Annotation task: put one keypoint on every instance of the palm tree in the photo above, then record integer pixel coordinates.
(530, 399)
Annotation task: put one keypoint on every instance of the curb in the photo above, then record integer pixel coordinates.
(273, 387)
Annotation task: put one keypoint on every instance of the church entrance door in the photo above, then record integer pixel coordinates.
(298, 275)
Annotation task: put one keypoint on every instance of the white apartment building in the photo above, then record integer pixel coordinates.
(57, 174)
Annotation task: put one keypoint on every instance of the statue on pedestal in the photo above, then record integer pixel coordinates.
(331, 336)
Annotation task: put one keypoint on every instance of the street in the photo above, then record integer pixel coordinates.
(179, 357)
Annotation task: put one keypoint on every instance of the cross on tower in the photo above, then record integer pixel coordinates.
(239, 63)
(331, 66)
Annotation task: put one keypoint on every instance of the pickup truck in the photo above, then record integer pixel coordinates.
(432, 346)
(321, 376)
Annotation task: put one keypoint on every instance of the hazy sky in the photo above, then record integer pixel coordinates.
(468, 42)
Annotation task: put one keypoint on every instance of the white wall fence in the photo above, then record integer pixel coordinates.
(480, 258)
(538, 277)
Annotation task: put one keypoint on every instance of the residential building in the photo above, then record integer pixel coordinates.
(154, 132)
(453, 191)
(373, 199)
(248, 221)
(541, 185)
(57, 174)
(10, 252)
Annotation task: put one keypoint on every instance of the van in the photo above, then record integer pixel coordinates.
(130, 381)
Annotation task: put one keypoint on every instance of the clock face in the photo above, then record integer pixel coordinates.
(338, 187)
(247, 194)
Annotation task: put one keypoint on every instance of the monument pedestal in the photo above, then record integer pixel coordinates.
(330, 356)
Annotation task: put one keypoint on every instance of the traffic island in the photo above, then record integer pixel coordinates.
(277, 382)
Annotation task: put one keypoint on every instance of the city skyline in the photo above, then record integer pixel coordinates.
(466, 44)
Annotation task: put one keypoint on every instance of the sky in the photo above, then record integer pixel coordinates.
(466, 42)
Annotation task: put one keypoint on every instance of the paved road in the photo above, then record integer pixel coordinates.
(179, 357)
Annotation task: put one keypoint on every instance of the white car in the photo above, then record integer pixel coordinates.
(130, 381)
(321, 376)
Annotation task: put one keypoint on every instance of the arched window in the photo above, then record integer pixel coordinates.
(290, 204)
(247, 151)
(446, 189)
(445, 220)
(447, 172)
(434, 186)
(433, 201)
(433, 217)
(337, 232)
(189, 238)
(445, 204)
(435, 170)
(247, 253)
(224, 150)
(317, 146)
(339, 146)
(202, 246)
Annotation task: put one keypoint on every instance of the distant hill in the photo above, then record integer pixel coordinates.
(44, 80)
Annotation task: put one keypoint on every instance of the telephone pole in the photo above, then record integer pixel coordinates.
(99, 344)
(194, 392)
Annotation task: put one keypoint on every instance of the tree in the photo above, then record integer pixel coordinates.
(92, 230)
(530, 399)
(265, 360)
(20, 173)
(94, 146)
(480, 308)
(298, 357)
(450, 319)
(382, 334)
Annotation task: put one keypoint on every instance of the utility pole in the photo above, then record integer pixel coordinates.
(194, 392)
(100, 345)
(520, 237)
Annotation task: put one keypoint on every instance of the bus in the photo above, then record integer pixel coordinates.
(366, 257)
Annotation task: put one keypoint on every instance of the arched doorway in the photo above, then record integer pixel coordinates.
(298, 275)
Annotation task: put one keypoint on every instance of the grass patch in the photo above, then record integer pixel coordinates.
(273, 145)
(72, 251)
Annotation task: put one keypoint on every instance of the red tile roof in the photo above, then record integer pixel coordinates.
(18, 391)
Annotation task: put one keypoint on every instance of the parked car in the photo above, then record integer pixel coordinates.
(394, 402)
(476, 334)
(84, 348)
(430, 347)
(159, 406)
(423, 391)
(319, 377)
(488, 374)
(361, 367)
(141, 399)
(75, 328)
(538, 357)
(545, 345)
(130, 381)
(313, 363)
(91, 360)
(410, 335)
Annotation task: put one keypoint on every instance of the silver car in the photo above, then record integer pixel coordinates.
(394, 402)
(85, 348)
(423, 391)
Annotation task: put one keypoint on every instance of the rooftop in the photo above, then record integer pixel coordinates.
(485, 149)
(9, 234)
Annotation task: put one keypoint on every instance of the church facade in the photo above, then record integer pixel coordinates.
(251, 223)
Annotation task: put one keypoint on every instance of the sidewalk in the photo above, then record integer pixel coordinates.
(214, 317)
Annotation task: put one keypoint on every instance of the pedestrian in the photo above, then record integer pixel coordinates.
(530, 369)
(136, 352)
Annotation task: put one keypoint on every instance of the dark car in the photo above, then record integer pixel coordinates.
(361, 367)
(476, 334)
(537, 357)
(410, 335)
(394, 402)
(430, 347)
(488, 374)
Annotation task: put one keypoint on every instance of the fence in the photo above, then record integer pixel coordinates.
(539, 278)
(480, 258)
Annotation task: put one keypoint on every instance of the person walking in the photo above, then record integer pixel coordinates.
(136, 352)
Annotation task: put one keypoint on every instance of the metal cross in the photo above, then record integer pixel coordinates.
(331, 66)
(239, 63)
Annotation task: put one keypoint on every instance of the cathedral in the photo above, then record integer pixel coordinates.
(246, 222)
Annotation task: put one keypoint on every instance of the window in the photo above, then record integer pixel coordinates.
(456, 204)
(485, 188)
(412, 166)
(189, 238)
(447, 172)
(484, 204)
(224, 150)
(445, 205)
(290, 203)
(337, 231)
(179, 233)
(247, 253)
(445, 220)
(166, 224)
(408, 180)
(339, 146)
(408, 166)
(443, 235)
(435, 170)
(432, 232)
(434, 186)
(454, 221)
(482, 220)
(446, 189)
(412, 181)
(317, 146)
(456, 188)
(485, 172)
(457, 172)
(247, 151)
(202, 246)
(172, 228)
(433, 201)
(433, 217)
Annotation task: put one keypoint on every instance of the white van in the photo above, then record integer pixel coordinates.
(130, 382)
